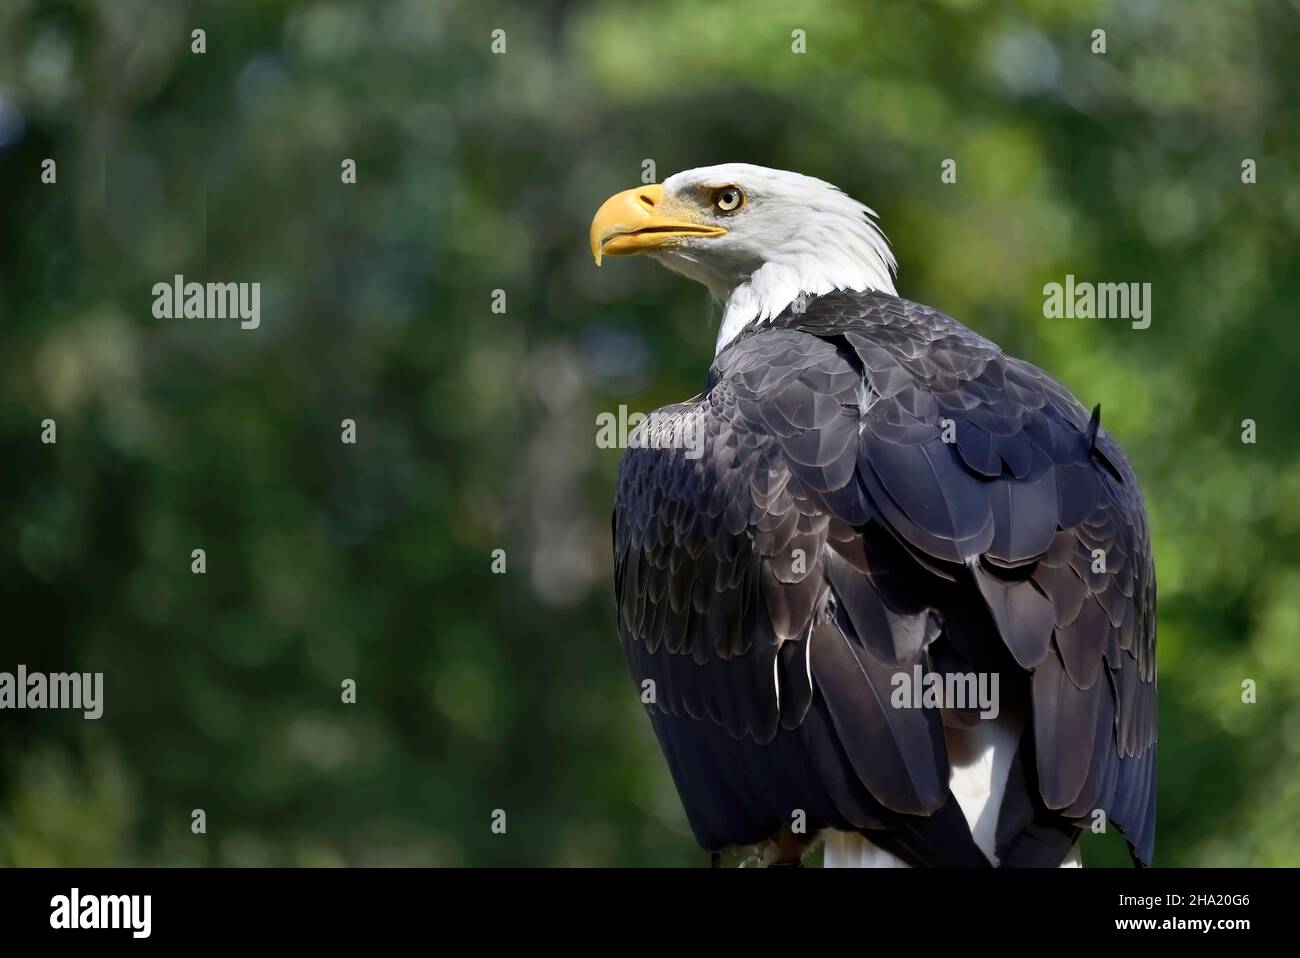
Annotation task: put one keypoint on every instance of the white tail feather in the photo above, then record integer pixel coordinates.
(980, 759)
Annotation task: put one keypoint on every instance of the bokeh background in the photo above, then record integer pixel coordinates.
(476, 430)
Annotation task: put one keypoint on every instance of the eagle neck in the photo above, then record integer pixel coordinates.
(774, 288)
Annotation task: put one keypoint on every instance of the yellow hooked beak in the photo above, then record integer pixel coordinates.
(643, 219)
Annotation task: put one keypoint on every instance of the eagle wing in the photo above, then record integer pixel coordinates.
(867, 487)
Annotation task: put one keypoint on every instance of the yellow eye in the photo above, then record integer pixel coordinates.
(728, 199)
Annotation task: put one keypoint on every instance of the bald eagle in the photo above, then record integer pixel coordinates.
(867, 498)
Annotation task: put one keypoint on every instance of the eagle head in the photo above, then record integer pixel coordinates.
(757, 238)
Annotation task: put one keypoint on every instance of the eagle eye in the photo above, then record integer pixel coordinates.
(728, 199)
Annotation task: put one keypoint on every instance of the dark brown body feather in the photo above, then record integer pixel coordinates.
(828, 537)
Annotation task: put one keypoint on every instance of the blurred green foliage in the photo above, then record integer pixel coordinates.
(476, 430)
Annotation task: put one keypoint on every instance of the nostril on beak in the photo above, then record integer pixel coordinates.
(646, 201)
